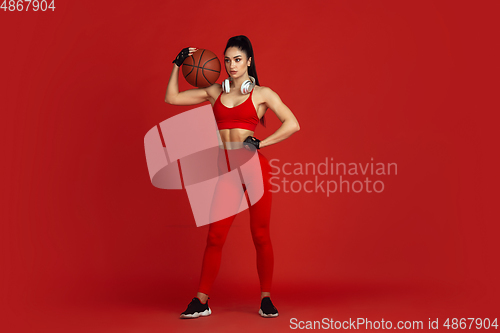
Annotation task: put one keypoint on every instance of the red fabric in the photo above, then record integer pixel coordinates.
(243, 115)
(260, 214)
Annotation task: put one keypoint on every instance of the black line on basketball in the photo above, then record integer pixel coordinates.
(208, 61)
(212, 70)
(201, 56)
(189, 72)
(206, 78)
(197, 69)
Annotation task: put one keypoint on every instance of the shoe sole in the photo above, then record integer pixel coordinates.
(267, 315)
(197, 314)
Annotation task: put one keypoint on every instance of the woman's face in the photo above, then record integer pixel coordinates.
(236, 62)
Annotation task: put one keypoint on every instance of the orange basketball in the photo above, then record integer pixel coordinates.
(201, 69)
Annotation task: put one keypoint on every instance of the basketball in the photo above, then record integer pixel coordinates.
(201, 69)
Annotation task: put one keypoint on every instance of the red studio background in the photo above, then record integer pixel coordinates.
(88, 244)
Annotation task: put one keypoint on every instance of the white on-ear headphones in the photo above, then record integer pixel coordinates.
(246, 86)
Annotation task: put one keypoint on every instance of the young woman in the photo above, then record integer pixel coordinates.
(238, 108)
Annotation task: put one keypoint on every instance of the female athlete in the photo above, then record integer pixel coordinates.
(239, 104)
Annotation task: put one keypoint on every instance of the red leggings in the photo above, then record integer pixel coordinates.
(260, 214)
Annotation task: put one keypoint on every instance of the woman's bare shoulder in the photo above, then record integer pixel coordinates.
(264, 92)
(214, 90)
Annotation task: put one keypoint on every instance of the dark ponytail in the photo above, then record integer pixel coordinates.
(243, 43)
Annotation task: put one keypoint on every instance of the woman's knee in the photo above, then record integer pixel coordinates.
(261, 237)
(216, 239)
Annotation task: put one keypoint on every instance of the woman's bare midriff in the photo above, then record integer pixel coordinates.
(233, 138)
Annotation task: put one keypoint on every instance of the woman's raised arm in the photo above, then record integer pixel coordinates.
(188, 97)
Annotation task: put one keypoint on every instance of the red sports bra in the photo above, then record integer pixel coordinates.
(243, 115)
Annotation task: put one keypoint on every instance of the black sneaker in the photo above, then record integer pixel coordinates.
(196, 309)
(267, 308)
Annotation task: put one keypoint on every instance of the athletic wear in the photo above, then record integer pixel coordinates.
(267, 308)
(196, 309)
(252, 142)
(260, 215)
(181, 56)
(243, 115)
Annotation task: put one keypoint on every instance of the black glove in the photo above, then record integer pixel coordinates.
(181, 57)
(251, 141)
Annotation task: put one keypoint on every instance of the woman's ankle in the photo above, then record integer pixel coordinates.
(265, 294)
(202, 297)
